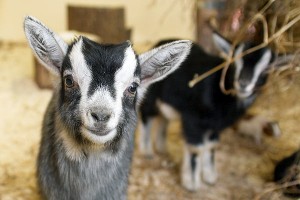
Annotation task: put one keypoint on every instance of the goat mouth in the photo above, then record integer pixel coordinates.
(244, 95)
(99, 132)
(98, 136)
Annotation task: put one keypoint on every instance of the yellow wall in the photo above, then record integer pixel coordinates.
(150, 20)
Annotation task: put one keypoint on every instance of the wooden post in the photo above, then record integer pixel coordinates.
(107, 23)
(42, 76)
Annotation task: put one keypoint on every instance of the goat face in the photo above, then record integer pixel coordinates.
(249, 71)
(99, 82)
(96, 79)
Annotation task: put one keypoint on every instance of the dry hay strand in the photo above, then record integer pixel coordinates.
(273, 33)
(269, 191)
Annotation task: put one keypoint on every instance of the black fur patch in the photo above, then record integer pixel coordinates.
(104, 61)
(249, 63)
(193, 161)
(203, 107)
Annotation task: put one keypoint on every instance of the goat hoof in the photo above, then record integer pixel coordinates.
(210, 177)
(191, 187)
(189, 184)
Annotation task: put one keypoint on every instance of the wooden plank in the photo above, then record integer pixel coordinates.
(107, 23)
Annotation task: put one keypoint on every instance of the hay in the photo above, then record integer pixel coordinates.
(273, 34)
(245, 169)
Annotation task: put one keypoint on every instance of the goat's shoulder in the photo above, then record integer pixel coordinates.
(200, 61)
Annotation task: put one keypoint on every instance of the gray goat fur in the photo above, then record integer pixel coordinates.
(98, 87)
(95, 169)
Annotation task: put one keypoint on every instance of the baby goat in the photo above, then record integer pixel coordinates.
(88, 130)
(204, 109)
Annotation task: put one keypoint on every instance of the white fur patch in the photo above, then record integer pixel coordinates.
(209, 172)
(81, 70)
(125, 75)
(239, 62)
(191, 180)
(262, 65)
(168, 111)
(102, 99)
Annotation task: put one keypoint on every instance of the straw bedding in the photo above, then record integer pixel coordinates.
(245, 169)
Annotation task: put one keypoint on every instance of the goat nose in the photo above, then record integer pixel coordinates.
(100, 116)
(244, 83)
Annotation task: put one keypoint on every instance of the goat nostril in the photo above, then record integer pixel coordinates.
(101, 117)
(106, 118)
(95, 116)
(244, 83)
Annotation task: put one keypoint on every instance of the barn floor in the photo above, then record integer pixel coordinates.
(245, 169)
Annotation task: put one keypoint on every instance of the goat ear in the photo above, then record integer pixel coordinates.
(160, 62)
(221, 43)
(49, 48)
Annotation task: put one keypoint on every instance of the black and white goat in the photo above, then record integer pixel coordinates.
(88, 130)
(204, 109)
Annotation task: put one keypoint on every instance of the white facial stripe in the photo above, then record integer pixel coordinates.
(239, 62)
(124, 76)
(262, 65)
(81, 70)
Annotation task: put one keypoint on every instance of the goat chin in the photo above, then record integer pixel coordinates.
(243, 95)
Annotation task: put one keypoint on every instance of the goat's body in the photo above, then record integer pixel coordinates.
(204, 111)
(92, 173)
(201, 101)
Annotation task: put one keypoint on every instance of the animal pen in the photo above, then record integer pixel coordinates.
(245, 167)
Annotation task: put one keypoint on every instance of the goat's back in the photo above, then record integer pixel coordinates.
(205, 98)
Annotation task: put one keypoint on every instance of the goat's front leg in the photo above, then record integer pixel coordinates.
(209, 171)
(193, 133)
(191, 167)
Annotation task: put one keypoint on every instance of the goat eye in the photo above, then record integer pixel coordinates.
(132, 88)
(69, 82)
